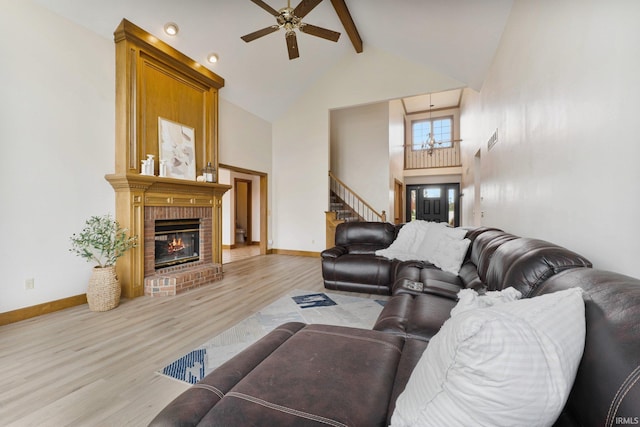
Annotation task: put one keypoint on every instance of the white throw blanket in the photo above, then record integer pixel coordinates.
(434, 242)
(405, 247)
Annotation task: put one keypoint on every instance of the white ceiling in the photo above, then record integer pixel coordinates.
(455, 37)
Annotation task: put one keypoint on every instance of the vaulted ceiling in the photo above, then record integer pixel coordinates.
(457, 38)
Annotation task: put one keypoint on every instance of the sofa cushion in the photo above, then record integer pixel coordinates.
(190, 407)
(361, 273)
(526, 263)
(377, 234)
(505, 365)
(354, 370)
(468, 274)
(418, 317)
(483, 248)
(607, 386)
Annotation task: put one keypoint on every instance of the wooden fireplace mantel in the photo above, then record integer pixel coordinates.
(134, 192)
(161, 191)
(156, 82)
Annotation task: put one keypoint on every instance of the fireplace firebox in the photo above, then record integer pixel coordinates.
(176, 242)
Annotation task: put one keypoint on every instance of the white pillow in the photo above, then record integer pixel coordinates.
(427, 248)
(511, 364)
(449, 253)
(469, 299)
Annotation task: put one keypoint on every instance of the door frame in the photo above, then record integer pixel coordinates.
(446, 187)
(264, 197)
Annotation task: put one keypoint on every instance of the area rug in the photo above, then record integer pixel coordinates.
(298, 306)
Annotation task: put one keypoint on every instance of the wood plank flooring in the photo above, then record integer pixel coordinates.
(79, 368)
(239, 253)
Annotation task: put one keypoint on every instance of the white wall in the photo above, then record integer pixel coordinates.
(301, 138)
(244, 142)
(359, 145)
(369, 138)
(396, 152)
(244, 138)
(562, 92)
(56, 145)
(228, 238)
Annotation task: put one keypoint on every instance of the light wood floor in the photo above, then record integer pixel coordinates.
(80, 368)
(239, 253)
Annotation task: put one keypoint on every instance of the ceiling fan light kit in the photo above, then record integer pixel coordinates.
(290, 20)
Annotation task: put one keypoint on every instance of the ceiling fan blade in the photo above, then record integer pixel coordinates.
(266, 7)
(257, 34)
(305, 7)
(292, 45)
(320, 32)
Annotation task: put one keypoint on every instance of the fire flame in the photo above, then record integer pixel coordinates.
(175, 245)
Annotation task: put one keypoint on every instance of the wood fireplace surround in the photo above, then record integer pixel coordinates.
(154, 80)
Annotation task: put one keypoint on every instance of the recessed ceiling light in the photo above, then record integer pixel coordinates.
(212, 58)
(171, 28)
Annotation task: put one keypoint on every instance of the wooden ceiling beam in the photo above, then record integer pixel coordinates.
(347, 22)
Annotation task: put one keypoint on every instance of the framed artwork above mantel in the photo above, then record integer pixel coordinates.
(176, 144)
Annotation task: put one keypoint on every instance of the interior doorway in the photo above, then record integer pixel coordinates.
(243, 196)
(434, 202)
(254, 184)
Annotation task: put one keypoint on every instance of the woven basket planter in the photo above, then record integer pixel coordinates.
(103, 292)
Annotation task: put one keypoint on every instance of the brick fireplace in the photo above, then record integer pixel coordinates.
(171, 280)
(142, 201)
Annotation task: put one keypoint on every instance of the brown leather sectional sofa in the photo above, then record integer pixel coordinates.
(312, 375)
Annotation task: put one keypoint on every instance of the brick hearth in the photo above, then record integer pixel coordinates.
(170, 284)
(169, 281)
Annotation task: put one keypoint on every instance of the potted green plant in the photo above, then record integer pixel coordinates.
(102, 241)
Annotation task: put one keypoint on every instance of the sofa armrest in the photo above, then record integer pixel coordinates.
(442, 289)
(334, 252)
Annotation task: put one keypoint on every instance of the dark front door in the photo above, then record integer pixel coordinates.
(434, 202)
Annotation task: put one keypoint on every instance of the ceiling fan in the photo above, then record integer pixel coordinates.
(290, 20)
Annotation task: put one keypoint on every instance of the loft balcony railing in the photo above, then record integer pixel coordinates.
(439, 157)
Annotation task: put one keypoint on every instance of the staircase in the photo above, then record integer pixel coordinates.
(348, 205)
(342, 209)
(345, 205)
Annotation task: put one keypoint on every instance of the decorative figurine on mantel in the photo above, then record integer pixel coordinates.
(163, 168)
(148, 166)
(209, 173)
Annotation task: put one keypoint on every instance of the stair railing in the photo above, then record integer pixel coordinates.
(354, 201)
